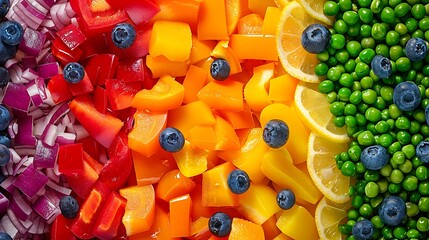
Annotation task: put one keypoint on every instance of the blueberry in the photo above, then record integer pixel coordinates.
(4, 155)
(406, 96)
(392, 210)
(422, 151)
(6, 52)
(416, 49)
(73, 72)
(11, 32)
(4, 118)
(5, 236)
(381, 66)
(69, 207)
(238, 181)
(5, 140)
(4, 77)
(315, 38)
(220, 224)
(171, 140)
(276, 133)
(374, 157)
(4, 8)
(285, 199)
(2, 178)
(363, 230)
(220, 69)
(123, 35)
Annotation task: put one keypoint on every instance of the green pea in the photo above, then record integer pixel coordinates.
(350, 109)
(424, 24)
(340, 26)
(378, 31)
(423, 224)
(385, 116)
(365, 210)
(424, 188)
(331, 97)
(351, 17)
(385, 140)
(326, 86)
(400, 232)
(357, 201)
(403, 64)
(396, 176)
(416, 139)
(354, 153)
(404, 39)
(321, 69)
(402, 123)
(345, 5)
(323, 56)
(367, 42)
(334, 74)
(422, 173)
(339, 121)
(365, 138)
(386, 170)
(379, 103)
(394, 111)
(367, 55)
(395, 52)
(348, 169)
(345, 229)
(386, 92)
(373, 114)
(411, 24)
(394, 147)
(392, 38)
(338, 41)
(418, 34)
(382, 127)
(388, 15)
(360, 119)
(404, 137)
(376, 6)
(409, 151)
(360, 168)
(418, 11)
(331, 8)
(401, 29)
(394, 188)
(424, 204)
(356, 97)
(365, 15)
(413, 233)
(369, 96)
(365, 30)
(371, 189)
(346, 80)
(382, 49)
(410, 183)
(377, 222)
(411, 209)
(402, 9)
(366, 82)
(387, 232)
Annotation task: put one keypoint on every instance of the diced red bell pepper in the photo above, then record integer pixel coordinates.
(59, 89)
(94, 45)
(120, 93)
(101, 67)
(97, 16)
(82, 87)
(63, 53)
(83, 224)
(110, 217)
(59, 229)
(140, 47)
(139, 11)
(90, 146)
(120, 158)
(102, 127)
(100, 99)
(131, 71)
(71, 36)
(70, 159)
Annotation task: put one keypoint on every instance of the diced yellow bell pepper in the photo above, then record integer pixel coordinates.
(202, 137)
(255, 91)
(245, 230)
(160, 66)
(298, 224)
(258, 203)
(223, 95)
(222, 50)
(201, 50)
(282, 236)
(277, 165)
(271, 20)
(172, 40)
(260, 6)
(178, 10)
(270, 228)
(212, 21)
(282, 88)
(191, 160)
(245, 46)
(226, 137)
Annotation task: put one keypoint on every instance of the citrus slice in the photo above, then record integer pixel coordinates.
(323, 170)
(314, 8)
(327, 216)
(313, 109)
(294, 58)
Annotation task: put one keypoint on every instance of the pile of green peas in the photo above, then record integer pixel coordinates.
(363, 104)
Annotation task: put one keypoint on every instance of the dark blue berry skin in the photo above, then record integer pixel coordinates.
(381, 66)
(171, 140)
(5, 236)
(276, 133)
(374, 157)
(4, 155)
(6, 52)
(73, 72)
(123, 35)
(220, 69)
(392, 210)
(220, 224)
(422, 151)
(69, 207)
(285, 199)
(315, 38)
(4, 77)
(4, 8)
(363, 230)
(4, 118)
(238, 181)
(2, 178)
(11, 33)
(5, 140)
(406, 96)
(416, 49)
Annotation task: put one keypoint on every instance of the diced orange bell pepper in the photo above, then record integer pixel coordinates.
(260, 6)
(191, 160)
(180, 216)
(140, 208)
(271, 19)
(244, 46)
(282, 88)
(160, 66)
(250, 24)
(282, 236)
(173, 184)
(165, 95)
(161, 44)
(241, 228)
(203, 137)
(270, 228)
(258, 203)
(193, 82)
(291, 220)
(235, 9)
(223, 95)
(255, 91)
(212, 21)
(222, 50)
(226, 136)
(298, 133)
(215, 190)
(178, 10)
(206, 64)
(201, 50)
(144, 136)
(198, 210)
(149, 170)
(184, 117)
(239, 120)
(278, 166)
(200, 229)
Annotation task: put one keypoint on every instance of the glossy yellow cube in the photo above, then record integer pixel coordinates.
(298, 224)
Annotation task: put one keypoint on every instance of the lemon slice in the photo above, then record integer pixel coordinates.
(314, 8)
(327, 216)
(323, 170)
(313, 109)
(294, 58)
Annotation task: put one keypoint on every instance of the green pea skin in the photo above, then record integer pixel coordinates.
(410, 183)
(385, 140)
(382, 49)
(338, 41)
(424, 204)
(353, 48)
(403, 137)
(356, 97)
(413, 233)
(422, 173)
(346, 80)
(378, 31)
(367, 42)
(394, 111)
(331, 97)
(400, 232)
(350, 109)
(418, 11)
(404, 39)
(345, 5)
(396, 176)
(369, 96)
(418, 34)
(387, 232)
(388, 15)
(402, 123)
(365, 138)
(365, 30)
(424, 24)
(326, 86)
(402, 9)
(401, 29)
(377, 222)
(340, 26)
(423, 224)
(365, 15)
(411, 24)
(395, 52)
(331, 8)
(392, 38)
(376, 6)
(321, 69)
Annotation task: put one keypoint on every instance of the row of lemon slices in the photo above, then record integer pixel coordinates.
(326, 140)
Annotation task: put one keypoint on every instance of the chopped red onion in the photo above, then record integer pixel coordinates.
(45, 208)
(24, 136)
(15, 220)
(29, 74)
(48, 70)
(46, 155)
(31, 181)
(7, 184)
(58, 188)
(4, 203)
(32, 42)
(20, 206)
(8, 226)
(12, 91)
(29, 62)
(34, 94)
(65, 138)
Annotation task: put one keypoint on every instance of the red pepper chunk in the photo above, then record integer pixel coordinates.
(60, 229)
(63, 53)
(59, 89)
(101, 67)
(120, 93)
(71, 36)
(110, 217)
